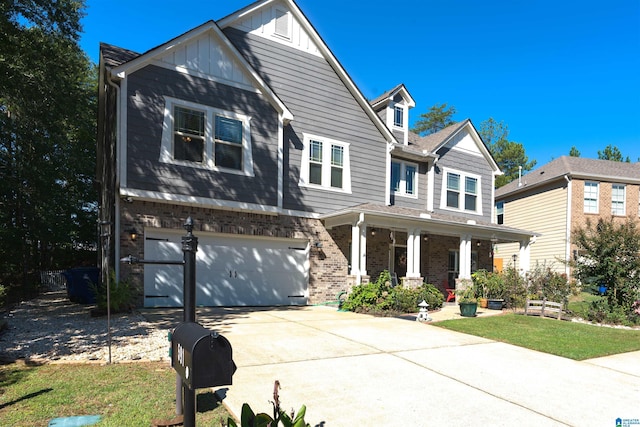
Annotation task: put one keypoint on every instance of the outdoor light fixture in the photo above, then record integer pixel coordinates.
(514, 257)
(478, 243)
(373, 231)
(426, 237)
(133, 233)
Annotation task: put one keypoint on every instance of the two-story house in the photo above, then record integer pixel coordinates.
(298, 185)
(561, 196)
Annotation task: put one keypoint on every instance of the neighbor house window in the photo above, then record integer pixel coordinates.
(398, 116)
(325, 164)
(403, 178)
(202, 136)
(618, 199)
(590, 197)
(500, 212)
(461, 191)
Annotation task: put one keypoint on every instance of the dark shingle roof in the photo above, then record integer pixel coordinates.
(114, 55)
(577, 167)
(385, 95)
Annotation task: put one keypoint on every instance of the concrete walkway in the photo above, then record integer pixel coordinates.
(358, 370)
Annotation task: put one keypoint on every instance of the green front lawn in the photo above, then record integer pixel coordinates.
(124, 395)
(567, 339)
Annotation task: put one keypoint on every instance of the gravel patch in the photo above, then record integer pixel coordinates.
(51, 328)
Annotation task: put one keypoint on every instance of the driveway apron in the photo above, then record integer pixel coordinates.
(351, 369)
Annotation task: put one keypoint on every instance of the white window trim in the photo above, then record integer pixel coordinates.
(463, 175)
(498, 212)
(208, 161)
(403, 182)
(624, 200)
(584, 197)
(327, 143)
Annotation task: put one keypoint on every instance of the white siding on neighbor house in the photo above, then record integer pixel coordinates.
(549, 248)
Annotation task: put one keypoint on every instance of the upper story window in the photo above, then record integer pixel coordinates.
(461, 191)
(283, 23)
(404, 178)
(398, 116)
(590, 197)
(206, 137)
(500, 212)
(325, 163)
(618, 199)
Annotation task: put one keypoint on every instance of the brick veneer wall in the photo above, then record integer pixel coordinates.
(328, 264)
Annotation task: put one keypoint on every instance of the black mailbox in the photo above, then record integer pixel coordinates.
(201, 357)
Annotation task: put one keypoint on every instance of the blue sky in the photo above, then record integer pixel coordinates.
(559, 74)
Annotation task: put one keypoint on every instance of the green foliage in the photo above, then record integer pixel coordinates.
(509, 155)
(515, 293)
(120, 295)
(47, 137)
(488, 284)
(438, 118)
(611, 152)
(248, 418)
(574, 152)
(546, 283)
(380, 297)
(608, 254)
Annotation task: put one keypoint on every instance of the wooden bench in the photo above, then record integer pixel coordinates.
(543, 306)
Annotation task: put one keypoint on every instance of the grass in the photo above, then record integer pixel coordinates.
(579, 304)
(567, 339)
(123, 394)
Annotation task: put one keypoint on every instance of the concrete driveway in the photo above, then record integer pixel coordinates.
(357, 370)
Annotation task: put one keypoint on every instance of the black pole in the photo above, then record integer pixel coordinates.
(189, 247)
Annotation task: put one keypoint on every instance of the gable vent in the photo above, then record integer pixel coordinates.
(282, 23)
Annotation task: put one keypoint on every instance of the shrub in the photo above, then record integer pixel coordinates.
(488, 284)
(380, 298)
(120, 295)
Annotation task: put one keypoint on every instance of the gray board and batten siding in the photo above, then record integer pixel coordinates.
(321, 105)
(463, 162)
(146, 90)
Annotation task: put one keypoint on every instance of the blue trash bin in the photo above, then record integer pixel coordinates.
(81, 284)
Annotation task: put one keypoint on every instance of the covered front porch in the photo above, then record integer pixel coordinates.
(419, 247)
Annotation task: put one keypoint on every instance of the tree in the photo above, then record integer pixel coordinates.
(608, 253)
(438, 118)
(47, 136)
(509, 155)
(611, 152)
(574, 152)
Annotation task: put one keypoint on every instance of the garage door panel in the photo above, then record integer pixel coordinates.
(230, 271)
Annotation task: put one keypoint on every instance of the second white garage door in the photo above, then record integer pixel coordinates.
(230, 270)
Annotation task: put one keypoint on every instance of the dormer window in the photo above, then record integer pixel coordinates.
(398, 116)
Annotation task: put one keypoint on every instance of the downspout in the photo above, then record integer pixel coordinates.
(568, 225)
(116, 219)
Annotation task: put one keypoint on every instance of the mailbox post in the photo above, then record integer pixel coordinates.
(200, 357)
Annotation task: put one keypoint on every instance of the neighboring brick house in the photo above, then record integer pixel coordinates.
(561, 196)
(299, 187)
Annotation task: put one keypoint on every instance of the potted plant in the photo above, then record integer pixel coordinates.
(468, 302)
(494, 287)
(480, 284)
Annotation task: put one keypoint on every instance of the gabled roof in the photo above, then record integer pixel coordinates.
(136, 62)
(390, 94)
(114, 55)
(575, 167)
(433, 142)
(324, 50)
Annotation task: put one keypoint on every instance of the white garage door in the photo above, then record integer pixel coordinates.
(230, 270)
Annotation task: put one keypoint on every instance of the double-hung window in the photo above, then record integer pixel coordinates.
(591, 197)
(325, 163)
(500, 212)
(461, 192)
(398, 116)
(618, 199)
(404, 178)
(206, 137)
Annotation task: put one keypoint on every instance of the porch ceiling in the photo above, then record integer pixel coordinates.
(394, 217)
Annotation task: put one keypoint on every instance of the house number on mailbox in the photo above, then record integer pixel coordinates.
(181, 359)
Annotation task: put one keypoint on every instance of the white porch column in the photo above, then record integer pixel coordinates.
(363, 249)
(355, 248)
(465, 257)
(525, 256)
(413, 252)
